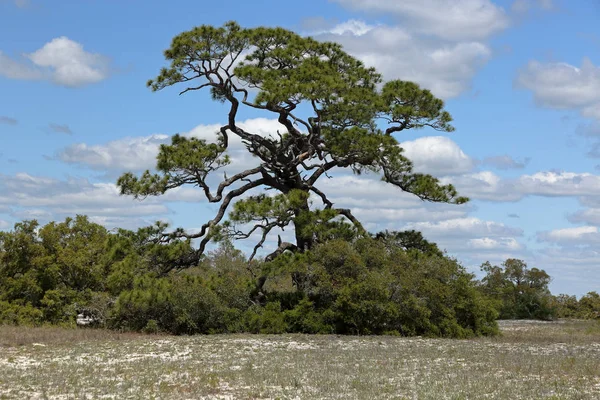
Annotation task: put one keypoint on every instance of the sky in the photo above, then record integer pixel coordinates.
(521, 79)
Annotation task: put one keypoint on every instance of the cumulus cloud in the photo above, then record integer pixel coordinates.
(366, 190)
(8, 120)
(559, 184)
(393, 219)
(486, 185)
(437, 155)
(455, 20)
(466, 227)
(45, 198)
(130, 153)
(139, 153)
(70, 64)
(564, 86)
(381, 206)
(472, 239)
(446, 68)
(505, 162)
(62, 60)
(577, 235)
(486, 243)
(590, 216)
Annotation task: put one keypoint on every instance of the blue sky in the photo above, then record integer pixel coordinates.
(521, 79)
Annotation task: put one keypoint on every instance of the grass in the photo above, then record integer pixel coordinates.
(531, 360)
(12, 336)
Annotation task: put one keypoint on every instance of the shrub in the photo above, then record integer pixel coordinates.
(17, 314)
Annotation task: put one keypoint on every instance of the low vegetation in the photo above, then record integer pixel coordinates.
(529, 360)
(362, 286)
(394, 283)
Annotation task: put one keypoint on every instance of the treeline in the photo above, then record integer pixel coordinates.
(392, 283)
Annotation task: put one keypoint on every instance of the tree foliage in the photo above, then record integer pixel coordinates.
(521, 292)
(330, 108)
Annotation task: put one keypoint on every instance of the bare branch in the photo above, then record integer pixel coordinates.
(283, 246)
(348, 214)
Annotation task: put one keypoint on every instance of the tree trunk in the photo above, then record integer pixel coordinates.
(304, 236)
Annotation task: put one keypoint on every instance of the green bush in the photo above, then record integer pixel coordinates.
(150, 299)
(267, 319)
(16, 314)
(304, 318)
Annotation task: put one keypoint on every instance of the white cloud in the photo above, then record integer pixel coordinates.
(564, 86)
(352, 27)
(356, 190)
(486, 185)
(437, 155)
(473, 240)
(578, 235)
(465, 228)
(44, 198)
(130, 153)
(139, 153)
(446, 68)
(455, 20)
(62, 60)
(559, 184)
(487, 243)
(69, 63)
(395, 218)
(590, 216)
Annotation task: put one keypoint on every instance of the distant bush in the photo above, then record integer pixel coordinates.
(587, 307)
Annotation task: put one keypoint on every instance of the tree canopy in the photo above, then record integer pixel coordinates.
(335, 113)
